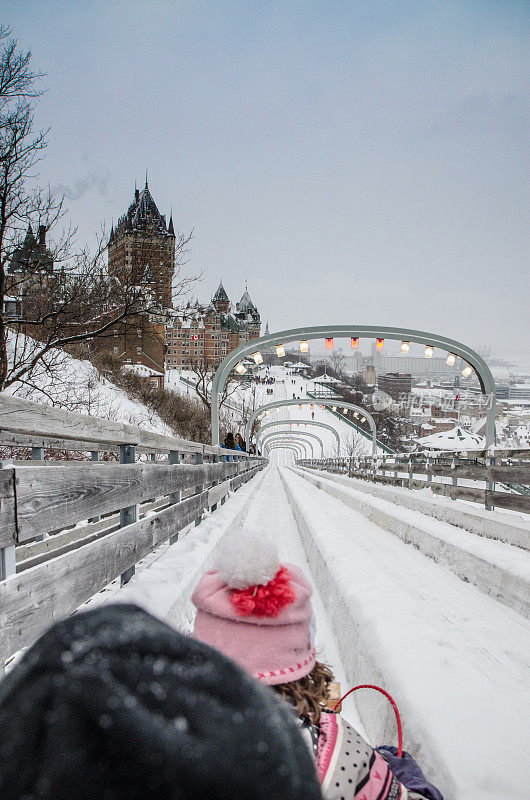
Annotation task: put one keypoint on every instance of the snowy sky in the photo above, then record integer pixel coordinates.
(357, 161)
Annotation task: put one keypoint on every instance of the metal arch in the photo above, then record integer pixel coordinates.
(307, 438)
(309, 401)
(276, 422)
(279, 446)
(305, 442)
(289, 445)
(305, 434)
(286, 435)
(487, 384)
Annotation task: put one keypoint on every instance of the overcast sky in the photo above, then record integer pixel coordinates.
(358, 161)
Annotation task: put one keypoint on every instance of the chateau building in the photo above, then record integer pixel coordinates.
(208, 333)
(142, 248)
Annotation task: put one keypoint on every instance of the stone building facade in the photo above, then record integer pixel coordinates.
(141, 248)
(207, 333)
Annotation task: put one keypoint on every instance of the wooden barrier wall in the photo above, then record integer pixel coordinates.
(69, 528)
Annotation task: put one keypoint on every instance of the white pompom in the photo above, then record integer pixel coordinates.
(247, 559)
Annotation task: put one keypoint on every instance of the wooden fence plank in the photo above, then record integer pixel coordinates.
(516, 502)
(52, 498)
(36, 598)
(7, 508)
(483, 472)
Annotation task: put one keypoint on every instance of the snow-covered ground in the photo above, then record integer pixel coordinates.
(455, 659)
(76, 385)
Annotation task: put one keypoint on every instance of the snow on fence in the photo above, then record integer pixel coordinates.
(510, 468)
(69, 528)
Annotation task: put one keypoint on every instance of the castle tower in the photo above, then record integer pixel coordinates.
(142, 248)
(220, 300)
(248, 315)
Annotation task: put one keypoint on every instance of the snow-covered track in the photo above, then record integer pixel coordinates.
(455, 660)
(499, 569)
(503, 526)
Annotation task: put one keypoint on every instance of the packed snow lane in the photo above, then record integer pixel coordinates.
(271, 516)
(455, 660)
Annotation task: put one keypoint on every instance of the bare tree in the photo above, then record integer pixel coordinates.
(203, 370)
(52, 296)
(338, 362)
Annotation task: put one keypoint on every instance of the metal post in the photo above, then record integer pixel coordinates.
(94, 456)
(174, 497)
(37, 454)
(454, 480)
(199, 459)
(129, 514)
(490, 485)
(215, 459)
(7, 554)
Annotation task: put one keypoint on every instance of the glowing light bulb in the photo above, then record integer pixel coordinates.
(466, 372)
(240, 368)
(258, 358)
(280, 350)
(304, 346)
(451, 359)
(429, 351)
(405, 347)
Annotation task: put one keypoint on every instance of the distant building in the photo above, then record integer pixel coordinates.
(519, 391)
(30, 269)
(369, 375)
(395, 384)
(208, 333)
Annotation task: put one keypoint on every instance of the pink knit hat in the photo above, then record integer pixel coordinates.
(257, 611)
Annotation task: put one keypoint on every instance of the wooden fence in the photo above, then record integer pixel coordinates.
(69, 528)
(506, 474)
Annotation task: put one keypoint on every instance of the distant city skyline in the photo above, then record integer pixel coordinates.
(354, 162)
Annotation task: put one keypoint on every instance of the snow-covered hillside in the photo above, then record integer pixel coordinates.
(76, 385)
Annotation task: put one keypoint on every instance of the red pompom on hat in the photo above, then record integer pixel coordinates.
(257, 610)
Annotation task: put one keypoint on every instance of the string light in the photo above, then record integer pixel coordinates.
(240, 368)
(379, 344)
(258, 358)
(329, 344)
(451, 359)
(466, 372)
(280, 350)
(405, 347)
(355, 343)
(429, 351)
(304, 346)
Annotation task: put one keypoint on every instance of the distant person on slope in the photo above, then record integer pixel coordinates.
(258, 611)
